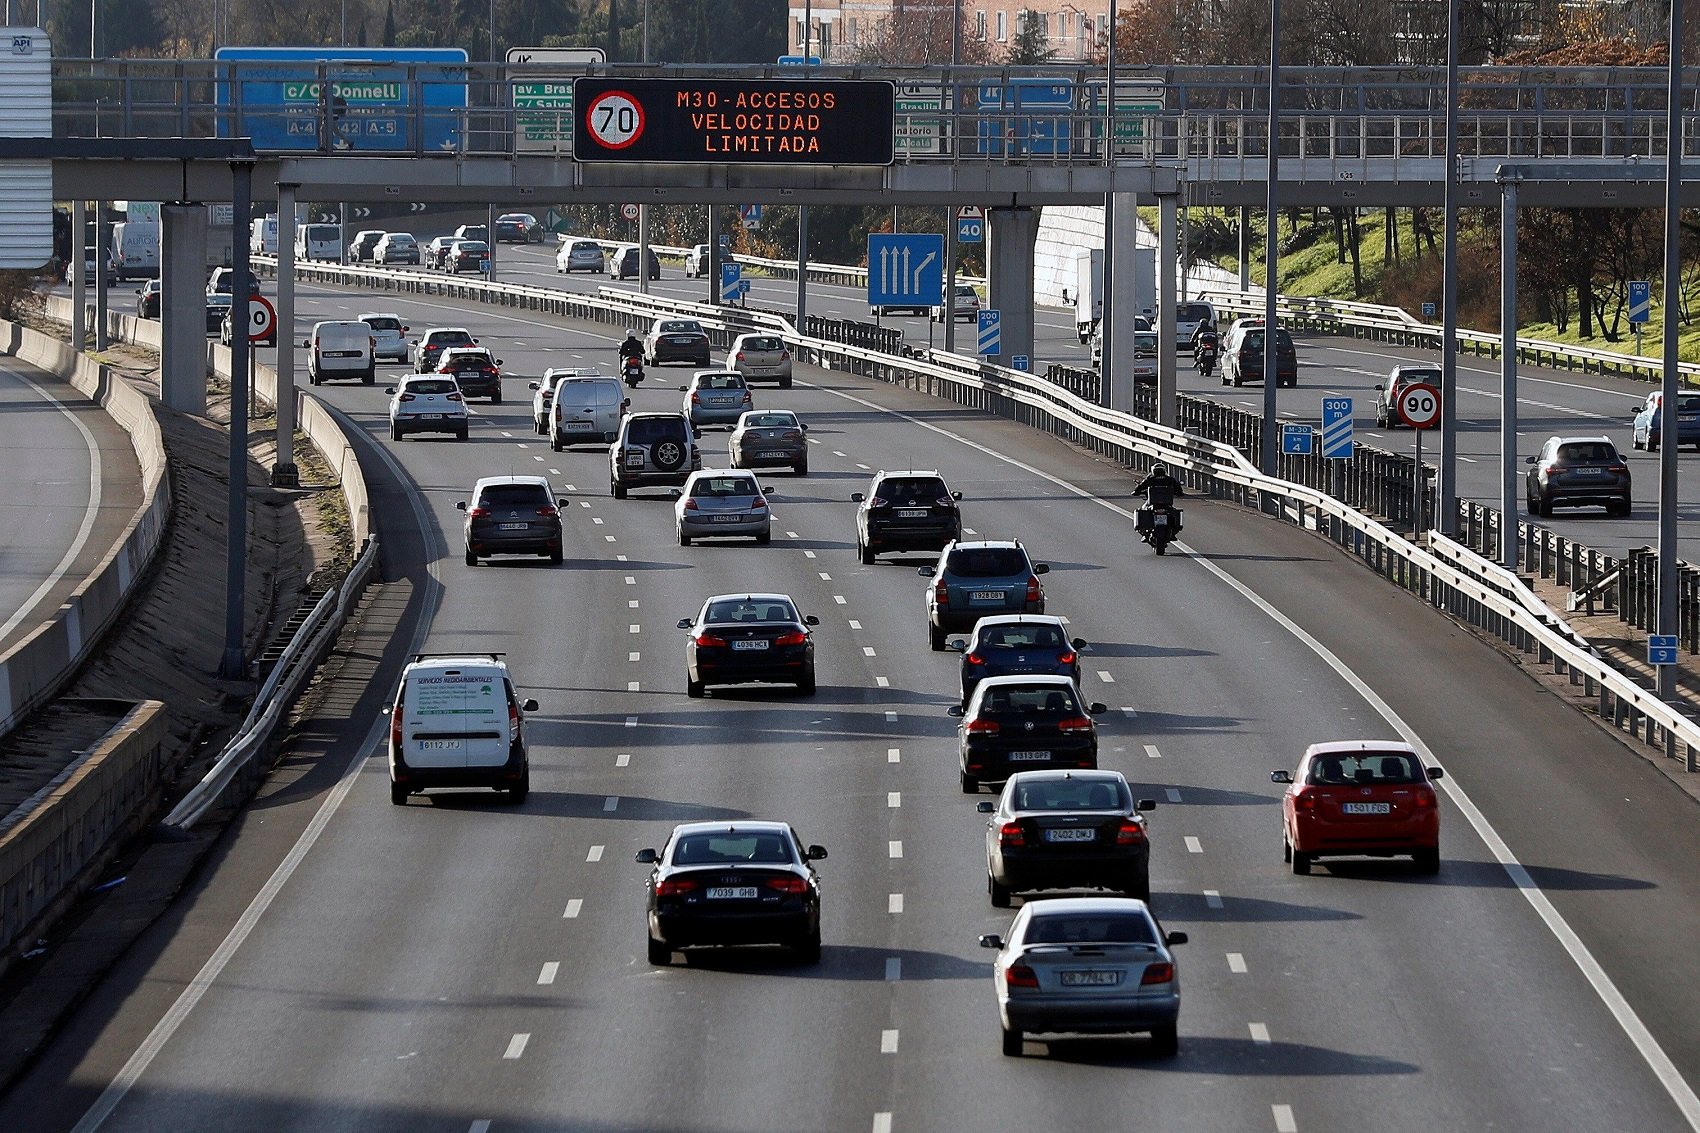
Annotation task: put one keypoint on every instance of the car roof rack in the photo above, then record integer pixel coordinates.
(463, 653)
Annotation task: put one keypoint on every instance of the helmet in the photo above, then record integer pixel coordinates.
(631, 334)
(1159, 469)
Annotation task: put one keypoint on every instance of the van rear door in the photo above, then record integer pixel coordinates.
(456, 718)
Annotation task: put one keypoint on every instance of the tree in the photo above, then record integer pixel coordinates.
(1031, 44)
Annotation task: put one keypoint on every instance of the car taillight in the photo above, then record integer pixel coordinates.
(1033, 593)
(785, 356)
(790, 435)
(406, 397)
(548, 512)
(691, 505)
(513, 721)
(941, 595)
(982, 727)
(1424, 799)
(1066, 658)
(395, 726)
(1130, 833)
(672, 888)
(1553, 469)
(1072, 724)
(739, 356)
(1158, 974)
(759, 504)
(1304, 800)
(877, 502)
(973, 658)
(478, 513)
(945, 502)
(791, 639)
(453, 396)
(1009, 834)
(710, 639)
(792, 885)
(1619, 468)
(1020, 975)
(694, 399)
(746, 397)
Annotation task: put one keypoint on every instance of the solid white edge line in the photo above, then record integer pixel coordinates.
(1657, 1060)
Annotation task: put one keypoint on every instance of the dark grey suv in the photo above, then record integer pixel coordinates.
(512, 515)
(1577, 470)
(906, 511)
(651, 449)
(971, 580)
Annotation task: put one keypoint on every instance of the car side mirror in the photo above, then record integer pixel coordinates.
(307, 344)
(856, 497)
(683, 389)
(1097, 709)
(815, 853)
(460, 505)
(954, 710)
(647, 857)
(498, 361)
(1175, 938)
(956, 645)
(674, 494)
(685, 623)
(1280, 776)
(389, 390)
(767, 491)
(403, 330)
(1529, 460)
(1145, 805)
(985, 807)
(1079, 643)
(528, 705)
(926, 571)
(475, 342)
(562, 502)
(1379, 388)
(1042, 568)
(810, 620)
(991, 940)
(533, 385)
(1435, 773)
(956, 496)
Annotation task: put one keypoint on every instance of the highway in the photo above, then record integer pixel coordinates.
(460, 965)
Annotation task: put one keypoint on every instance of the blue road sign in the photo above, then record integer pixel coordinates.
(732, 282)
(1025, 116)
(1337, 428)
(372, 99)
(1640, 300)
(1021, 362)
(970, 229)
(986, 341)
(750, 215)
(1661, 649)
(906, 269)
(1295, 438)
(1428, 310)
(799, 60)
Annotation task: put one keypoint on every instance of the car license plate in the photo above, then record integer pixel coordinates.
(1366, 808)
(732, 893)
(1589, 471)
(635, 461)
(514, 526)
(430, 416)
(438, 745)
(1071, 834)
(774, 455)
(1160, 519)
(1028, 756)
(1091, 979)
(578, 424)
(680, 340)
(912, 513)
(986, 596)
(727, 518)
(749, 645)
(1688, 418)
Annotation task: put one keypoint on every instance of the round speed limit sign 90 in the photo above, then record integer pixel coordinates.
(615, 119)
(1419, 406)
(262, 319)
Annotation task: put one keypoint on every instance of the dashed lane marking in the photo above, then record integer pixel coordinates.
(894, 848)
(1284, 1120)
(574, 908)
(1193, 845)
(894, 903)
(894, 798)
(1236, 963)
(1151, 750)
(516, 1046)
(612, 802)
(1172, 794)
(1213, 898)
(1259, 1032)
(549, 972)
(893, 968)
(893, 755)
(595, 854)
(888, 1042)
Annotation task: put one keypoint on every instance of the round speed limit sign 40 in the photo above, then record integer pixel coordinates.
(1419, 406)
(615, 119)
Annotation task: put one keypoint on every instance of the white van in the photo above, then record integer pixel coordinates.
(319, 242)
(1189, 316)
(457, 722)
(262, 236)
(341, 349)
(586, 410)
(135, 250)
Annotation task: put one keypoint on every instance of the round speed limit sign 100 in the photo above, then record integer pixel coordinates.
(1419, 406)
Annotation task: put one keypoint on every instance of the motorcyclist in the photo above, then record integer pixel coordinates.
(1159, 488)
(631, 350)
(1204, 343)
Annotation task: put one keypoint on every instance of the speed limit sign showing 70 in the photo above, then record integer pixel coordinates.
(1419, 406)
(615, 119)
(262, 319)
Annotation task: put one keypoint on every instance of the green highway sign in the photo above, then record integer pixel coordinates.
(549, 123)
(919, 118)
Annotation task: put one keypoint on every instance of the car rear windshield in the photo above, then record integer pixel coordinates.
(1254, 341)
(1586, 452)
(1366, 768)
(644, 431)
(721, 381)
(380, 323)
(764, 343)
(450, 338)
(731, 848)
(1193, 312)
(771, 421)
(1070, 794)
(751, 610)
(681, 326)
(1021, 637)
(1046, 698)
(1406, 377)
(1090, 928)
(987, 562)
(437, 386)
(717, 487)
(514, 495)
(912, 491)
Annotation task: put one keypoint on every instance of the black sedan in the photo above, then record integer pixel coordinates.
(1067, 830)
(1025, 723)
(748, 638)
(676, 340)
(147, 300)
(728, 883)
(1002, 644)
(767, 437)
(218, 306)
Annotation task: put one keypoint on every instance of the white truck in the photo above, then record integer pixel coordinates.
(262, 235)
(135, 249)
(1087, 298)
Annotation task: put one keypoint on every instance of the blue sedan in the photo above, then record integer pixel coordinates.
(1649, 420)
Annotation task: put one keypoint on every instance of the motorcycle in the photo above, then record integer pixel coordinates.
(1204, 358)
(632, 371)
(1158, 526)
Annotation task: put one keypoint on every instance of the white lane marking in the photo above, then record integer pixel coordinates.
(549, 972)
(572, 487)
(516, 1046)
(825, 577)
(612, 802)
(893, 755)
(894, 798)
(539, 459)
(839, 598)
(624, 759)
(609, 538)
(554, 472)
(1626, 1017)
(634, 656)
(808, 554)
(621, 559)
(595, 854)
(1151, 750)
(835, 452)
(1213, 898)
(854, 624)
(891, 717)
(632, 686)
(574, 908)
(1172, 794)
(882, 1123)
(1193, 845)
(969, 531)
(1284, 1120)
(632, 605)
(888, 1042)
(634, 628)
(894, 848)
(894, 903)
(584, 503)
(505, 433)
(480, 1126)
(1236, 963)
(867, 651)
(631, 721)
(597, 519)
(1105, 676)
(791, 535)
(1259, 1032)
(631, 580)
(863, 467)
(893, 968)
(883, 682)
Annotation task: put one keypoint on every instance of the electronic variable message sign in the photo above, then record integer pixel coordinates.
(746, 122)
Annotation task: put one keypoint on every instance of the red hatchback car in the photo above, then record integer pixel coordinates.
(1370, 798)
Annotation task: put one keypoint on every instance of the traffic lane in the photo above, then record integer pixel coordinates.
(1259, 839)
(75, 487)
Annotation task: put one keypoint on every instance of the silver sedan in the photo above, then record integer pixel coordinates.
(721, 503)
(716, 397)
(1087, 965)
(768, 438)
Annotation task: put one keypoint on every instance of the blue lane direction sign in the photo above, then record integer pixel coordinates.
(970, 224)
(732, 282)
(986, 341)
(1661, 649)
(1428, 310)
(750, 215)
(799, 60)
(1337, 428)
(1025, 116)
(1021, 362)
(1295, 439)
(906, 269)
(1640, 300)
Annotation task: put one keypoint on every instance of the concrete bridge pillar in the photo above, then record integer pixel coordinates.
(1167, 253)
(1011, 236)
(284, 472)
(183, 306)
(1122, 304)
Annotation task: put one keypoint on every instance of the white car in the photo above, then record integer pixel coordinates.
(697, 261)
(580, 255)
(543, 392)
(487, 747)
(427, 403)
(389, 335)
(722, 503)
(966, 305)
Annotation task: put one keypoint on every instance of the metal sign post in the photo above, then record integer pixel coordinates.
(1419, 406)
